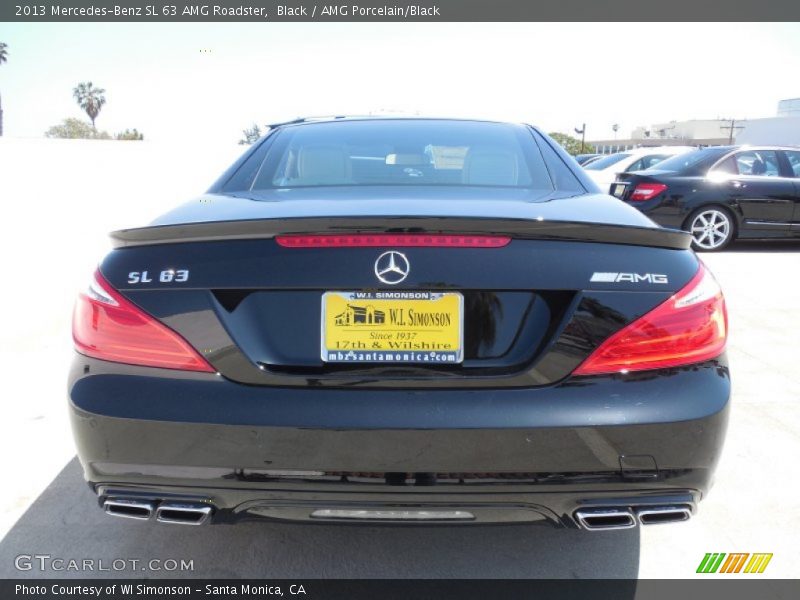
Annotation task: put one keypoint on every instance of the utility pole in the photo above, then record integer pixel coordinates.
(582, 132)
(731, 128)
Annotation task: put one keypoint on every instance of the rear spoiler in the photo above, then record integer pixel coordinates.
(516, 228)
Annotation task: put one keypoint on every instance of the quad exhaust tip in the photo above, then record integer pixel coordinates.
(180, 513)
(655, 515)
(128, 508)
(183, 513)
(595, 519)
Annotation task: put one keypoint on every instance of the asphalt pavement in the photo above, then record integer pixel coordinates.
(65, 522)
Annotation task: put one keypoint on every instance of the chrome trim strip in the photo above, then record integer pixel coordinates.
(773, 223)
(392, 514)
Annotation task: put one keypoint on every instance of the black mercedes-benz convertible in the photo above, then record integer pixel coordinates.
(401, 320)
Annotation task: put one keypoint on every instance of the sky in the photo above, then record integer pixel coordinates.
(186, 81)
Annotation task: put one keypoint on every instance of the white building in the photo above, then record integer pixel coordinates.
(789, 107)
(783, 130)
(776, 131)
(694, 129)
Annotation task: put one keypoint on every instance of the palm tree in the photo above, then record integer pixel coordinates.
(3, 58)
(90, 99)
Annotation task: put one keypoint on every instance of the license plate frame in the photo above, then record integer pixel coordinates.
(438, 333)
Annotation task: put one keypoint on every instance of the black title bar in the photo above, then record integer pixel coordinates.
(744, 588)
(151, 11)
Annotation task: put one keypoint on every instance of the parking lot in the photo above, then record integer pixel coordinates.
(47, 508)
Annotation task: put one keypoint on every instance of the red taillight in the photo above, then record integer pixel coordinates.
(690, 327)
(107, 326)
(357, 240)
(647, 191)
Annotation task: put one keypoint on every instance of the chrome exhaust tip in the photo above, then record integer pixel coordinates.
(655, 515)
(183, 513)
(128, 508)
(596, 519)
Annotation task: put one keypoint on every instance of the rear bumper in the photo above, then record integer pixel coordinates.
(505, 455)
(660, 211)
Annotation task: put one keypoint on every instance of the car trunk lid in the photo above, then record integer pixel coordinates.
(530, 309)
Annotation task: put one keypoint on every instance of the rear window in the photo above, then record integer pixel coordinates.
(399, 152)
(604, 163)
(646, 162)
(696, 159)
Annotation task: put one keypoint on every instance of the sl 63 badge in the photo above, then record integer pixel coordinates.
(166, 276)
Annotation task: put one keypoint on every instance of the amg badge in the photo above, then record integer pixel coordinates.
(628, 278)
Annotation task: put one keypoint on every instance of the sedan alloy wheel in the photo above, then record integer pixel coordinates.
(711, 229)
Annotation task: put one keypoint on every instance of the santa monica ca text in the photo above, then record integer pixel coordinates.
(141, 589)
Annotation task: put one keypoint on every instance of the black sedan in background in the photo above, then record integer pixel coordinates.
(401, 320)
(722, 193)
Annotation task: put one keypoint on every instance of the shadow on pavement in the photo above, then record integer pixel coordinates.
(65, 522)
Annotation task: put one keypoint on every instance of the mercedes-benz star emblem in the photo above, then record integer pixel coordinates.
(392, 267)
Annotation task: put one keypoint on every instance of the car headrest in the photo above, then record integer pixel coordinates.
(759, 168)
(323, 164)
(490, 167)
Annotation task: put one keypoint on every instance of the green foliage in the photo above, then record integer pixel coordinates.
(133, 135)
(251, 135)
(89, 98)
(571, 144)
(75, 129)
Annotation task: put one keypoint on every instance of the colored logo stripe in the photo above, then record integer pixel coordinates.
(758, 563)
(733, 564)
(710, 562)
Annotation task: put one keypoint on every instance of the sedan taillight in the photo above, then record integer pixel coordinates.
(690, 327)
(107, 326)
(647, 191)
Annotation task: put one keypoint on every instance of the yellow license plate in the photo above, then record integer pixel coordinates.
(393, 327)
